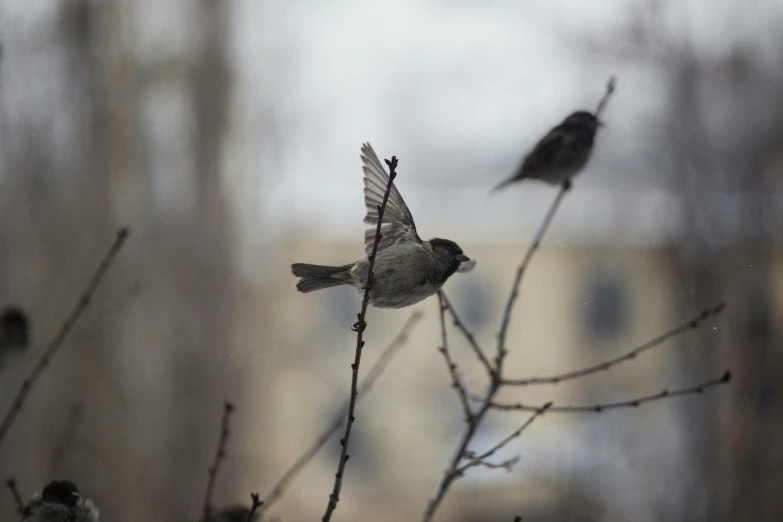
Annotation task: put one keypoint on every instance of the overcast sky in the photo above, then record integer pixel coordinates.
(459, 91)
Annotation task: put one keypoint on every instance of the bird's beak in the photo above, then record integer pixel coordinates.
(462, 258)
(466, 266)
(601, 123)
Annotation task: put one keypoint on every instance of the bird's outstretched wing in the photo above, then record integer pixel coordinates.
(398, 225)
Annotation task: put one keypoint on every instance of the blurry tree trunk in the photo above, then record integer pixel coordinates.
(204, 280)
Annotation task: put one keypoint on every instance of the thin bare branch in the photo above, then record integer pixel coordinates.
(451, 474)
(487, 454)
(456, 382)
(474, 461)
(359, 327)
(20, 505)
(453, 471)
(468, 334)
(365, 387)
(62, 333)
(565, 187)
(610, 85)
(691, 324)
(228, 409)
(632, 403)
(257, 503)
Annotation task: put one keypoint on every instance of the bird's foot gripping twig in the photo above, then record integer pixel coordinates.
(359, 325)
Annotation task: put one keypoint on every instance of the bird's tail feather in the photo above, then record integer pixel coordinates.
(316, 277)
(506, 182)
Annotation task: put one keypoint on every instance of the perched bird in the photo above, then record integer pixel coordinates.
(14, 335)
(407, 269)
(60, 502)
(13, 328)
(561, 154)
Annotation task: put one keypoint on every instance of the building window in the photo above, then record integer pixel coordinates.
(473, 303)
(606, 305)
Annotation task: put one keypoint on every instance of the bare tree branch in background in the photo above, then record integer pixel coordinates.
(479, 459)
(20, 505)
(453, 471)
(228, 409)
(359, 327)
(456, 382)
(692, 324)
(279, 489)
(257, 503)
(565, 187)
(464, 458)
(630, 403)
(467, 333)
(610, 86)
(62, 333)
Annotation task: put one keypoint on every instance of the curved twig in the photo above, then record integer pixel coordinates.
(691, 324)
(610, 85)
(62, 333)
(228, 409)
(566, 186)
(456, 382)
(631, 403)
(359, 327)
(278, 490)
(20, 505)
(479, 459)
(468, 334)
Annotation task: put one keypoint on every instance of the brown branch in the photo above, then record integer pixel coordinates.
(487, 454)
(364, 389)
(451, 474)
(468, 334)
(474, 461)
(359, 327)
(257, 503)
(632, 403)
(20, 505)
(228, 409)
(453, 471)
(62, 333)
(691, 324)
(521, 270)
(456, 382)
(610, 85)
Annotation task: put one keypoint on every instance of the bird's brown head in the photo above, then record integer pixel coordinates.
(449, 252)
